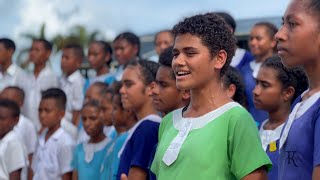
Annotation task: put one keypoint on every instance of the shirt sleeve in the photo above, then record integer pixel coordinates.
(316, 150)
(78, 97)
(15, 156)
(31, 138)
(245, 149)
(144, 140)
(65, 156)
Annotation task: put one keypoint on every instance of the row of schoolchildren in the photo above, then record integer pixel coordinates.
(273, 89)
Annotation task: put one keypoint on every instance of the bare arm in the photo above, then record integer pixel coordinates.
(15, 175)
(30, 172)
(136, 173)
(67, 176)
(75, 175)
(316, 173)
(75, 117)
(258, 174)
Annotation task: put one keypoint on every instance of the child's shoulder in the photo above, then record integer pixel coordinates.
(61, 137)
(11, 141)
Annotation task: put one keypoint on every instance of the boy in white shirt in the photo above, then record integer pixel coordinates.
(53, 156)
(72, 84)
(13, 156)
(40, 80)
(24, 128)
(10, 74)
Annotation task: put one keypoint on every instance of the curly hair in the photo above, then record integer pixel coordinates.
(294, 77)
(214, 33)
(233, 76)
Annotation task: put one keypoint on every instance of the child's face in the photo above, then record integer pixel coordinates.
(268, 94)
(93, 93)
(165, 96)
(96, 56)
(50, 114)
(192, 63)
(124, 51)
(133, 89)
(69, 62)
(299, 37)
(106, 110)
(7, 121)
(163, 41)
(260, 42)
(38, 53)
(4, 54)
(91, 120)
(118, 114)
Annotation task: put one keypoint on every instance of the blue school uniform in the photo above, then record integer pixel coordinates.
(247, 74)
(138, 149)
(300, 140)
(240, 58)
(108, 79)
(270, 143)
(87, 159)
(110, 165)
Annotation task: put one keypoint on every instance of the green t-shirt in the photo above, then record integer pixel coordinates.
(223, 144)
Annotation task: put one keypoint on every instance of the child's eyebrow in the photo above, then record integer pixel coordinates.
(126, 81)
(189, 48)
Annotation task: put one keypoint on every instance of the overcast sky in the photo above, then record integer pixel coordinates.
(112, 17)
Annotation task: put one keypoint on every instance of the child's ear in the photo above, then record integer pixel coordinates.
(61, 114)
(220, 59)
(107, 57)
(48, 54)
(150, 88)
(288, 93)
(231, 90)
(135, 48)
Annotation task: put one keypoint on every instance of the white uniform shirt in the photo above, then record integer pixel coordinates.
(27, 133)
(73, 87)
(13, 155)
(53, 157)
(14, 76)
(45, 80)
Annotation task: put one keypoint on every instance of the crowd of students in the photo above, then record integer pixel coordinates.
(203, 108)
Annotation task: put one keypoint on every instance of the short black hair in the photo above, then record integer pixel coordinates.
(19, 90)
(58, 95)
(107, 49)
(165, 59)
(163, 31)
(8, 43)
(233, 76)
(229, 20)
(294, 77)
(270, 28)
(116, 92)
(77, 50)
(47, 45)
(131, 38)
(12, 106)
(214, 33)
(147, 68)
